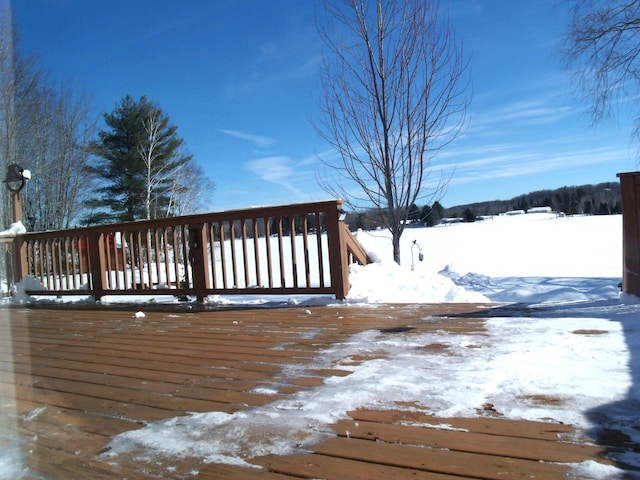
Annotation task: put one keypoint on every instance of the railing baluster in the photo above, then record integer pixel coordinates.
(294, 258)
(156, 252)
(213, 256)
(223, 257)
(319, 249)
(167, 259)
(305, 243)
(234, 266)
(184, 246)
(256, 253)
(176, 257)
(283, 281)
(267, 239)
(245, 262)
(47, 264)
(149, 250)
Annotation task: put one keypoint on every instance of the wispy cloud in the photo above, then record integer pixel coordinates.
(258, 140)
(277, 170)
(522, 113)
(527, 163)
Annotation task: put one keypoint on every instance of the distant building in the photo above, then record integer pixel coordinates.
(539, 210)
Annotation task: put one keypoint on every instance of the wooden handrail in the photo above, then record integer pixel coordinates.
(229, 252)
(353, 248)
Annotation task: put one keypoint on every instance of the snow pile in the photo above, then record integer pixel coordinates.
(16, 228)
(402, 286)
(19, 290)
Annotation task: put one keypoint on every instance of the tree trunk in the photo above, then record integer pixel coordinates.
(395, 240)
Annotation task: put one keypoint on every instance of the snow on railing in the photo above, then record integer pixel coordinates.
(293, 249)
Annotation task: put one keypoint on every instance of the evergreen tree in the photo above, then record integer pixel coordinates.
(468, 215)
(425, 216)
(437, 212)
(138, 158)
(414, 213)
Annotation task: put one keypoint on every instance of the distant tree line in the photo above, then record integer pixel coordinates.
(136, 167)
(600, 199)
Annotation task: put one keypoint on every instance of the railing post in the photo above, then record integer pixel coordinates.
(19, 259)
(97, 263)
(338, 258)
(630, 193)
(197, 259)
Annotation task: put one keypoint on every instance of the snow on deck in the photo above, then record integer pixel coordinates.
(201, 394)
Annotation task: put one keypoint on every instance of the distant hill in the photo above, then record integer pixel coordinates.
(600, 199)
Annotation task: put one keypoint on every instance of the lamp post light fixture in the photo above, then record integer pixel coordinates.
(420, 254)
(16, 177)
(16, 180)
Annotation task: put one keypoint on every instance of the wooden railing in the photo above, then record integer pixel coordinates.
(293, 249)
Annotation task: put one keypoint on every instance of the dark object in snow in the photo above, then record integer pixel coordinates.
(397, 329)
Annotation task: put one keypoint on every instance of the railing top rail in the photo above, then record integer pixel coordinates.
(226, 215)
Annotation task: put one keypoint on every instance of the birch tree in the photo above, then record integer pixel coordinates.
(152, 151)
(395, 93)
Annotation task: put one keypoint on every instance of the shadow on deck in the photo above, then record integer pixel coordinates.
(70, 380)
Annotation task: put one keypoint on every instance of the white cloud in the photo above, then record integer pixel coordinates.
(277, 170)
(522, 163)
(258, 140)
(527, 112)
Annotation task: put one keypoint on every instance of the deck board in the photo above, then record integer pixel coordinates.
(72, 379)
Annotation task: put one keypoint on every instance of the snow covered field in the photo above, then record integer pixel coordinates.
(565, 271)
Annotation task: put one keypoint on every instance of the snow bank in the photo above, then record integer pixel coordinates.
(16, 228)
(388, 282)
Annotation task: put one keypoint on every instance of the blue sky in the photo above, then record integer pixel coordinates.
(240, 80)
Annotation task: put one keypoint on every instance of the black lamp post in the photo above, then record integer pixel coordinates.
(16, 179)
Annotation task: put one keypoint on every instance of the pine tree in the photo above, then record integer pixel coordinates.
(138, 158)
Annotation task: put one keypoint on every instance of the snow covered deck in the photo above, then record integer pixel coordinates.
(72, 382)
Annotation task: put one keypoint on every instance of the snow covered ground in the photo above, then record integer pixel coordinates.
(575, 339)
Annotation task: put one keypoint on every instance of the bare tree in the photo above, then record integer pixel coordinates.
(190, 190)
(602, 47)
(395, 93)
(43, 128)
(62, 125)
(18, 82)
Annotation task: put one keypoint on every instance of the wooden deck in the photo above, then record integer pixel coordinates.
(72, 379)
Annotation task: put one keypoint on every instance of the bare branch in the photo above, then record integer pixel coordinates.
(601, 47)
